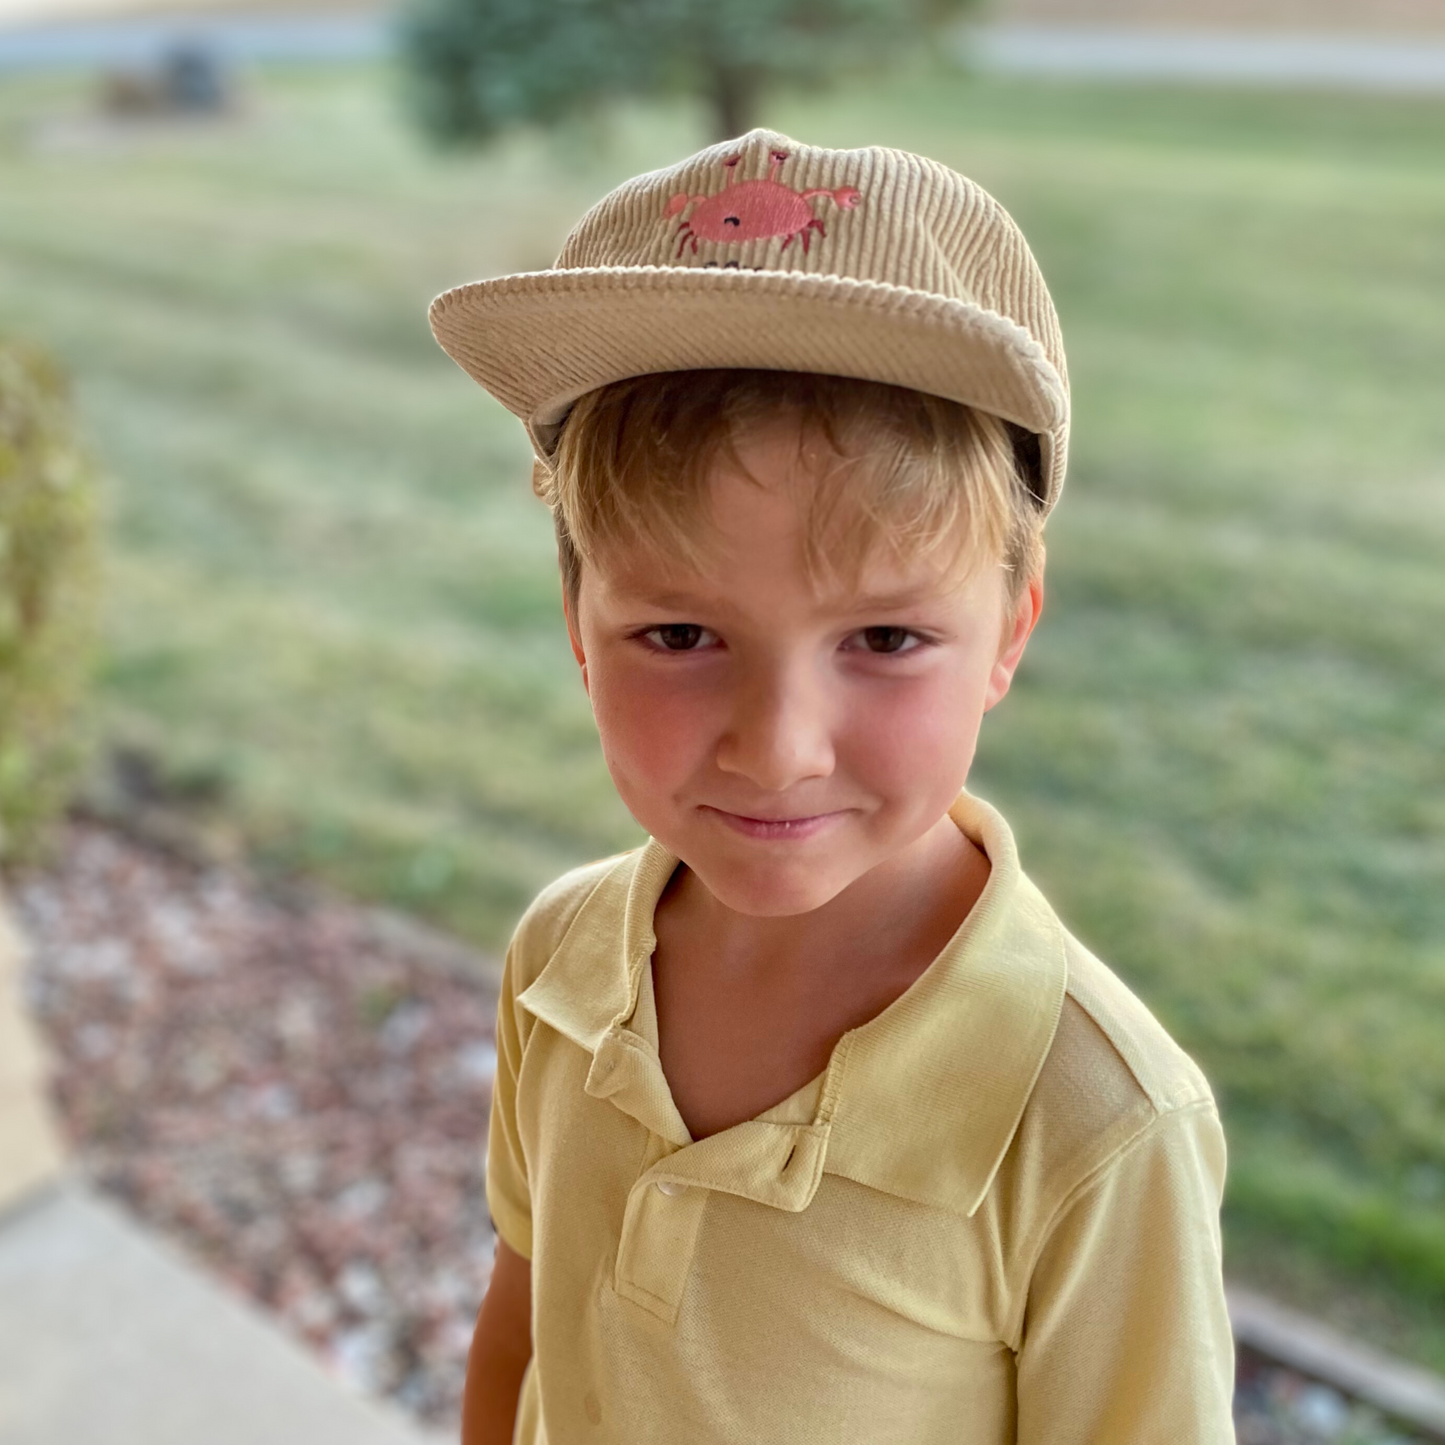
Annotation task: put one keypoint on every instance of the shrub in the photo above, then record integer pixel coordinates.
(48, 576)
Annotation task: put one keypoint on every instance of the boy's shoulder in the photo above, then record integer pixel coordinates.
(1113, 1079)
(1105, 1029)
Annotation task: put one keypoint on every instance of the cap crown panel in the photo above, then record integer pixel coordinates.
(914, 223)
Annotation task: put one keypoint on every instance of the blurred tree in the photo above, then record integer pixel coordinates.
(477, 66)
(47, 597)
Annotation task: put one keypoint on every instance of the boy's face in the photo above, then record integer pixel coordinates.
(783, 735)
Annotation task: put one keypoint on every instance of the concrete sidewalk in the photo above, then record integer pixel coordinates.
(30, 1154)
(107, 1335)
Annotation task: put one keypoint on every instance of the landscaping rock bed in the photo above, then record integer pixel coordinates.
(296, 1089)
(292, 1087)
(1276, 1406)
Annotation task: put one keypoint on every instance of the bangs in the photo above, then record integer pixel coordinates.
(883, 467)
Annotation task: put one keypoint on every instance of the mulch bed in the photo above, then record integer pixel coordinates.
(296, 1089)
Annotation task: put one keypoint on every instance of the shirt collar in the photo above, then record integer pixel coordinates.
(920, 1102)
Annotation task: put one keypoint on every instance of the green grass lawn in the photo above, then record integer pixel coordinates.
(332, 604)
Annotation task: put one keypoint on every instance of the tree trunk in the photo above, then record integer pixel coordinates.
(734, 93)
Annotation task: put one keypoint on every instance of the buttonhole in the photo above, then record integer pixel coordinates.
(789, 1159)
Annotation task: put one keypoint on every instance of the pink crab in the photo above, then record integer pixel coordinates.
(754, 210)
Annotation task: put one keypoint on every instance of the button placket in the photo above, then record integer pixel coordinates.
(659, 1237)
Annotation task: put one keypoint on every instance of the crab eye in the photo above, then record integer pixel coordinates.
(780, 156)
(732, 160)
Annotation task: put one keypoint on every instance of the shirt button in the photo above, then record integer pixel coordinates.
(670, 1186)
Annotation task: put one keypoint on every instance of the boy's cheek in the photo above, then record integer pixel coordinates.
(650, 734)
(930, 731)
(660, 733)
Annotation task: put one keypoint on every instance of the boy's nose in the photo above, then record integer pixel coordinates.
(780, 734)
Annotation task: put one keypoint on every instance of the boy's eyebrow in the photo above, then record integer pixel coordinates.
(655, 595)
(897, 601)
(894, 601)
(667, 601)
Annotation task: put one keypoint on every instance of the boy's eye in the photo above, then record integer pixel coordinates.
(676, 636)
(889, 639)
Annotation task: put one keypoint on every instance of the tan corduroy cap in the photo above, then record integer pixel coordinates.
(764, 253)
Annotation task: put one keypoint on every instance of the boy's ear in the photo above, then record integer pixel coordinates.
(1018, 627)
(574, 635)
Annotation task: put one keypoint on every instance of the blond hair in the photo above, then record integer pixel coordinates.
(918, 473)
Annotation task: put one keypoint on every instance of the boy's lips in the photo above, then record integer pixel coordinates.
(782, 828)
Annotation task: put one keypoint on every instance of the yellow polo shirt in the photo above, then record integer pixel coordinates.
(993, 1218)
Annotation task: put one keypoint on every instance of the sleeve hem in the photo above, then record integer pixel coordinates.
(513, 1226)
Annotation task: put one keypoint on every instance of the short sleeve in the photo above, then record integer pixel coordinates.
(1126, 1336)
(508, 1196)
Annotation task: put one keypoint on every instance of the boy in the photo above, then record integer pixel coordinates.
(811, 1122)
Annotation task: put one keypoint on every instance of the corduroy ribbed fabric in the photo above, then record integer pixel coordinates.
(766, 253)
(992, 1220)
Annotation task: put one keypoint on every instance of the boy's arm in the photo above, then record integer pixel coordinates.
(502, 1340)
(501, 1347)
(1126, 1338)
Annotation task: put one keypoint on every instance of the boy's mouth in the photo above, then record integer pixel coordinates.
(785, 829)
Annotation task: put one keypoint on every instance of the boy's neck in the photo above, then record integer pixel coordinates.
(896, 917)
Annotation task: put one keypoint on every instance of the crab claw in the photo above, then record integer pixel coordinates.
(846, 197)
(678, 203)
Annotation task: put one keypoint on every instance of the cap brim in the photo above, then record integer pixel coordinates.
(539, 341)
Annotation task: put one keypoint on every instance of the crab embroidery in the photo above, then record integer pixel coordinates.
(754, 210)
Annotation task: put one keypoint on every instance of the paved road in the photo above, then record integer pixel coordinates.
(141, 41)
(1354, 62)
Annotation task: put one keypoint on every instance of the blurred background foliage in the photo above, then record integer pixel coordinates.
(333, 637)
(48, 577)
(477, 67)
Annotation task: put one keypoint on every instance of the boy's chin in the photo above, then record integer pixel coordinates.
(769, 890)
